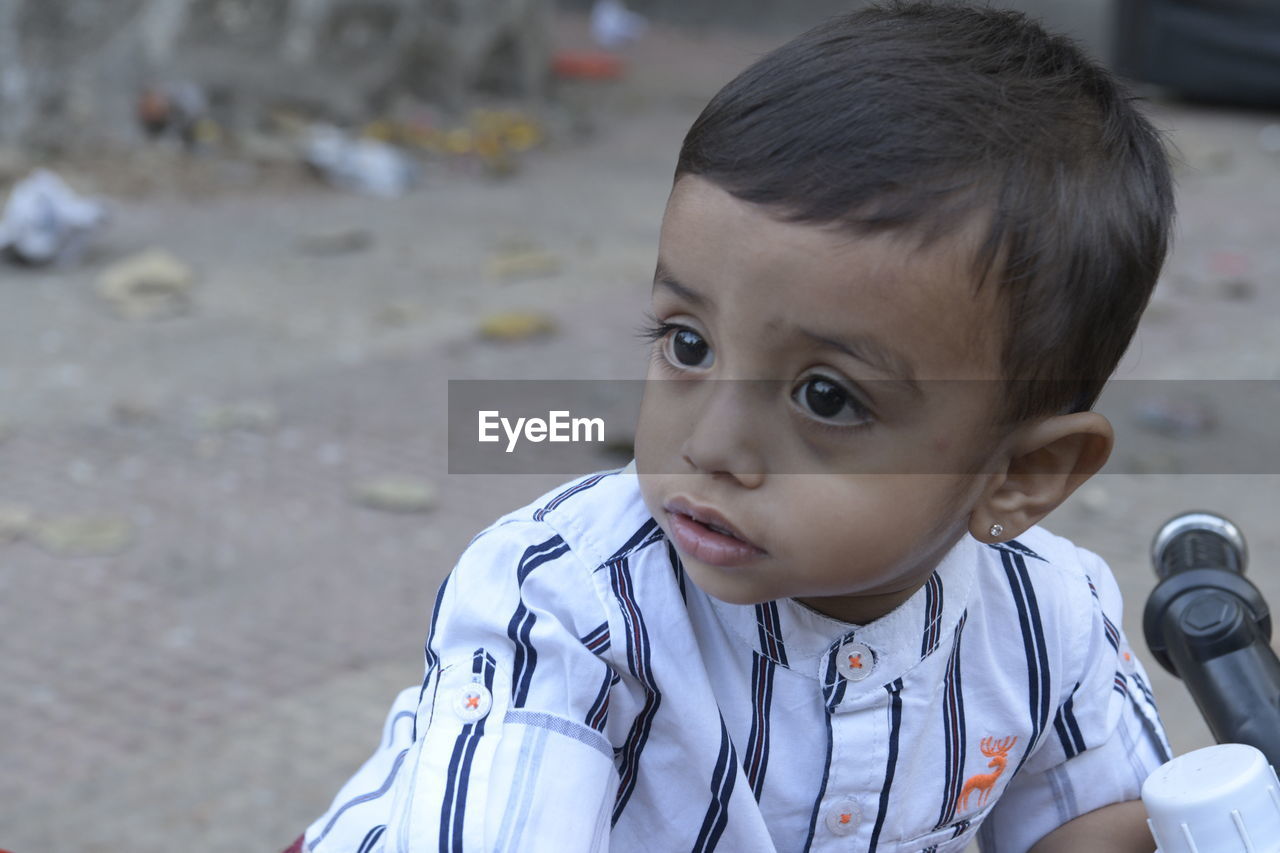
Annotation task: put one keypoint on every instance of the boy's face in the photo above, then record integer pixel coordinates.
(805, 474)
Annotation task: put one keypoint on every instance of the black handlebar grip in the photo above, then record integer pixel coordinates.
(1209, 626)
(1198, 540)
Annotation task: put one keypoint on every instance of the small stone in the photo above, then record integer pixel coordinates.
(395, 494)
(336, 242)
(150, 286)
(15, 522)
(83, 536)
(516, 326)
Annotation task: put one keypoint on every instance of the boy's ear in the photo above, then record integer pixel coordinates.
(1046, 462)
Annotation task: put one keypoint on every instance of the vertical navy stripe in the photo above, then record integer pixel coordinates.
(832, 694)
(1064, 723)
(722, 781)
(432, 659)
(1033, 642)
(638, 661)
(598, 714)
(822, 788)
(757, 760)
(933, 601)
(677, 568)
(769, 630)
(521, 624)
(895, 730)
(453, 809)
(953, 729)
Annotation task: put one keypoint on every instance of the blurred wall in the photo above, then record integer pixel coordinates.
(1085, 20)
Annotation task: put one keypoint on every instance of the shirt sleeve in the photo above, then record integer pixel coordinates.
(503, 746)
(1105, 737)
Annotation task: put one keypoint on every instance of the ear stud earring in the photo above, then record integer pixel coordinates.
(997, 529)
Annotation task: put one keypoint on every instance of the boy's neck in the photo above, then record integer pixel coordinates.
(859, 609)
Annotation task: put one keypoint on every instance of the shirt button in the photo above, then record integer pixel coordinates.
(855, 660)
(473, 702)
(843, 817)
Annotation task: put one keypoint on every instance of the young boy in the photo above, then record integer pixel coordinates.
(816, 612)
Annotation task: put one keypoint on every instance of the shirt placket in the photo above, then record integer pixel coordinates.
(847, 817)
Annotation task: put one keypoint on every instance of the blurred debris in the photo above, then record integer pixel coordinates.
(613, 24)
(178, 110)
(346, 242)
(495, 138)
(151, 285)
(83, 535)
(45, 220)
(395, 494)
(586, 65)
(521, 261)
(246, 415)
(1176, 418)
(359, 165)
(516, 326)
(15, 522)
(1239, 289)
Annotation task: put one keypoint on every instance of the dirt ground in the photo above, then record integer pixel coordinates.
(211, 684)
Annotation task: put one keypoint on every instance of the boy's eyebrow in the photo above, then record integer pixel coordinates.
(873, 353)
(664, 277)
(863, 349)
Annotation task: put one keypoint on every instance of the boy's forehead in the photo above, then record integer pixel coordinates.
(915, 295)
(707, 232)
(699, 211)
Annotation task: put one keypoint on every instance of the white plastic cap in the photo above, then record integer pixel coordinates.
(1221, 799)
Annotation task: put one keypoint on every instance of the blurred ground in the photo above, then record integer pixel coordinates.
(211, 685)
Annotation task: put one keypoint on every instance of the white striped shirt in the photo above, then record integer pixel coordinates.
(582, 695)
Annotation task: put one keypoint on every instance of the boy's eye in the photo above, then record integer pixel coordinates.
(687, 348)
(826, 399)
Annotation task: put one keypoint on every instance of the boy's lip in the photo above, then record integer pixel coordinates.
(708, 535)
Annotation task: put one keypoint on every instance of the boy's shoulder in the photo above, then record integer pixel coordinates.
(599, 517)
(1049, 559)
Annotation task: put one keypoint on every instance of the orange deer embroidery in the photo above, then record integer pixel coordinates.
(998, 752)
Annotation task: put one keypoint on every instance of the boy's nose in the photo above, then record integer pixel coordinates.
(726, 434)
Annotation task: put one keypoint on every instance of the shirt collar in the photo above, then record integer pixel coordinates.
(802, 639)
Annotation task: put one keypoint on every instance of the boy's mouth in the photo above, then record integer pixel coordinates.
(708, 536)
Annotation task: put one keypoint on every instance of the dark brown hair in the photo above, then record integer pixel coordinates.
(921, 115)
